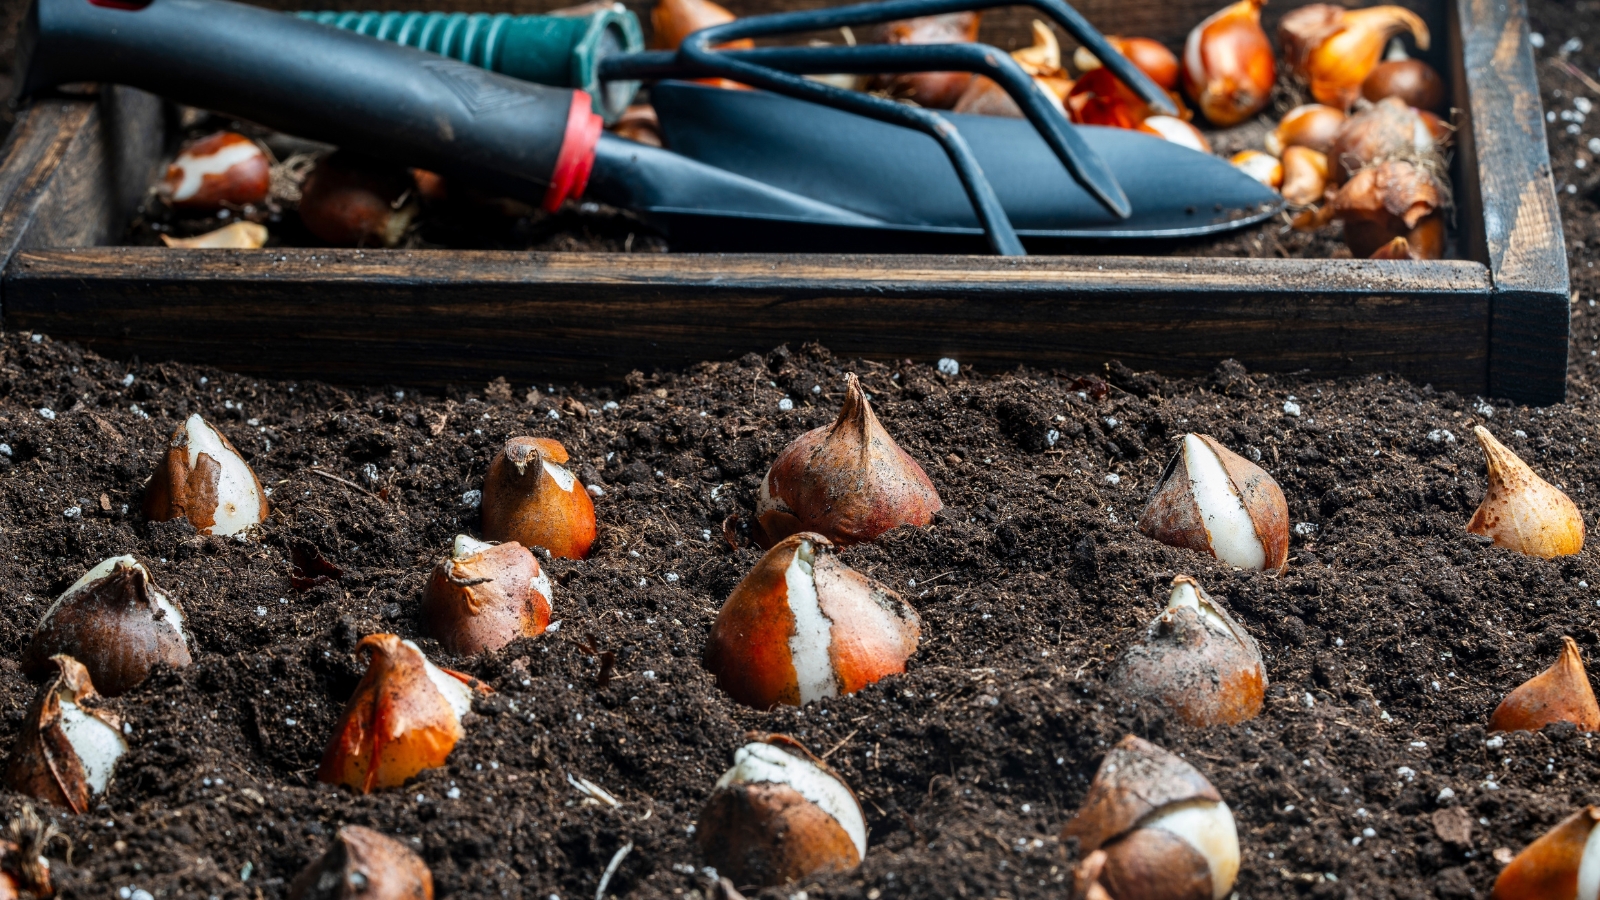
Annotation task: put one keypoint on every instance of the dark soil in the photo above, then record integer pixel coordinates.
(1390, 639)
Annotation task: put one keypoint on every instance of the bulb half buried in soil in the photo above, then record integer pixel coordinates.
(780, 815)
(529, 497)
(205, 480)
(68, 747)
(1164, 830)
(116, 623)
(363, 864)
(1563, 864)
(1521, 511)
(803, 626)
(1560, 693)
(848, 481)
(405, 716)
(484, 596)
(1215, 501)
(1196, 661)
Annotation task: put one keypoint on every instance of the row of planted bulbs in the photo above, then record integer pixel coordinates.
(801, 626)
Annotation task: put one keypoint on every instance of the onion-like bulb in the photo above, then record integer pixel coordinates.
(1228, 66)
(1312, 125)
(1335, 49)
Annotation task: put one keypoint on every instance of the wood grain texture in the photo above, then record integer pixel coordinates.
(29, 160)
(434, 318)
(1510, 219)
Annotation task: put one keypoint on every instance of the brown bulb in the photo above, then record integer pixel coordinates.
(1389, 130)
(484, 596)
(529, 497)
(1312, 125)
(363, 864)
(1197, 661)
(1334, 49)
(68, 745)
(1521, 511)
(116, 623)
(350, 201)
(1228, 67)
(205, 480)
(1412, 80)
(932, 90)
(1552, 867)
(848, 481)
(1560, 693)
(1213, 500)
(1389, 200)
(223, 170)
(673, 20)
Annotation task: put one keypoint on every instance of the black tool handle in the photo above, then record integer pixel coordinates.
(385, 100)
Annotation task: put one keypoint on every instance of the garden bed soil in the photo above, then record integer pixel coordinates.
(1389, 640)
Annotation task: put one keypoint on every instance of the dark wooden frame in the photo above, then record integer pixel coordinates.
(1496, 323)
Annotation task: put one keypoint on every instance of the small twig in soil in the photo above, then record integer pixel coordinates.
(1577, 73)
(611, 869)
(349, 484)
(842, 741)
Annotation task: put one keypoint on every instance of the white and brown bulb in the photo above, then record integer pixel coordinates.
(69, 746)
(114, 621)
(363, 864)
(780, 815)
(1212, 500)
(848, 481)
(205, 480)
(484, 596)
(1153, 828)
(803, 626)
(1196, 660)
(218, 171)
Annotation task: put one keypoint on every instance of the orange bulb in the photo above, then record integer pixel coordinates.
(529, 497)
(1228, 66)
(1335, 49)
(484, 596)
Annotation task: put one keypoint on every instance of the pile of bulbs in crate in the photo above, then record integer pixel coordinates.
(1360, 141)
(801, 626)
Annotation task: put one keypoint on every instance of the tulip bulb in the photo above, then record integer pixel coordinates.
(1215, 501)
(933, 90)
(220, 170)
(781, 815)
(1260, 166)
(1560, 693)
(1521, 511)
(1335, 49)
(983, 97)
(1228, 66)
(1154, 828)
(1390, 130)
(803, 626)
(1389, 200)
(1305, 176)
(848, 481)
(349, 201)
(1312, 125)
(116, 623)
(530, 498)
(363, 864)
(1100, 98)
(1196, 661)
(484, 596)
(1412, 80)
(238, 236)
(205, 480)
(405, 716)
(68, 748)
(1563, 864)
(673, 20)
(1148, 56)
(1176, 131)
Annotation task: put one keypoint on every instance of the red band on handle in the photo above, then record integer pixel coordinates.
(576, 159)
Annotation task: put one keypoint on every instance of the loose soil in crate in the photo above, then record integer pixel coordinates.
(1389, 640)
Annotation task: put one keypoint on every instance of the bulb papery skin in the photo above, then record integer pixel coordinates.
(529, 497)
(1312, 125)
(848, 481)
(1228, 65)
(1260, 166)
(1212, 500)
(1197, 661)
(220, 170)
(363, 864)
(405, 716)
(1560, 693)
(237, 236)
(485, 596)
(1391, 199)
(1176, 131)
(1521, 511)
(1305, 175)
(1389, 130)
(1335, 49)
(116, 623)
(803, 626)
(205, 480)
(1550, 867)
(780, 815)
(68, 748)
(1161, 829)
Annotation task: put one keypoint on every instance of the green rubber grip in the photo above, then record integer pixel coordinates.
(560, 51)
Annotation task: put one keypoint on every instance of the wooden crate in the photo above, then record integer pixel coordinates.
(1494, 323)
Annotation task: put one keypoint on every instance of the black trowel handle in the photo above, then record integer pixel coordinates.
(389, 101)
